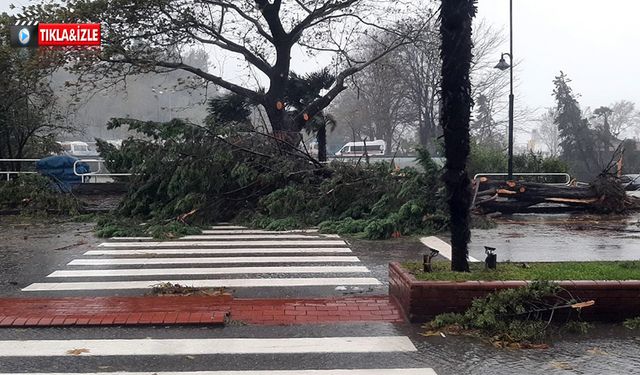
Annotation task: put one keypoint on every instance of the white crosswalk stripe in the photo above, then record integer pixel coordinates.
(212, 243)
(73, 351)
(209, 283)
(209, 271)
(258, 231)
(236, 236)
(136, 347)
(386, 371)
(238, 258)
(223, 227)
(208, 234)
(214, 260)
(266, 250)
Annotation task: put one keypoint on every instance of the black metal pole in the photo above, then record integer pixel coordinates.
(510, 160)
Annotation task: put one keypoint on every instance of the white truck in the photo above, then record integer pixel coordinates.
(357, 149)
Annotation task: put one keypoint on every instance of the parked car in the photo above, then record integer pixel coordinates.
(77, 149)
(631, 182)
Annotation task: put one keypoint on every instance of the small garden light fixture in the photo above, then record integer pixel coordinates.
(492, 259)
(426, 259)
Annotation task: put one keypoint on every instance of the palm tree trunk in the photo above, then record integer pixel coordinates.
(455, 29)
(321, 137)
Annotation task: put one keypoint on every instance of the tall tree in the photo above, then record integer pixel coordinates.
(576, 138)
(483, 126)
(621, 117)
(456, 19)
(604, 131)
(402, 94)
(419, 73)
(29, 116)
(548, 132)
(419, 69)
(147, 36)
(381, 101)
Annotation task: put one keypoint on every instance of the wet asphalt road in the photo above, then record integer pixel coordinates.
(529, 238)
(608, 350)
(29, 252)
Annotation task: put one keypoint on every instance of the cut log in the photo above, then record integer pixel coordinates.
(605, 194)
(573, 200)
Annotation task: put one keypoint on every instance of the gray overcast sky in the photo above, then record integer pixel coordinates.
(594, 41)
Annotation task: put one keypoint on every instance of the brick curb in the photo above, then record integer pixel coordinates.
(191, 310)
(420, 301)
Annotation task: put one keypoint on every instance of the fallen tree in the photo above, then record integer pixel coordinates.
(605, 194)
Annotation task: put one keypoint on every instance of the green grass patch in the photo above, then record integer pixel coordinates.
(532, 271)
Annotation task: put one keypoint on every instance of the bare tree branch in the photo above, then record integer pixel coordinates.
(243, 14)
(199, 72)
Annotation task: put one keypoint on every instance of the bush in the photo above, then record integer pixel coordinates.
(488, 159)
(519, 315)
(33, 193)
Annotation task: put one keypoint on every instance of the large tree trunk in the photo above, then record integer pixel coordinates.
(606, 194)
(282, 124)
(455, 29)
(321, 137)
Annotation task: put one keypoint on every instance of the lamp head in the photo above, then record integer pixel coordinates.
(502, 64)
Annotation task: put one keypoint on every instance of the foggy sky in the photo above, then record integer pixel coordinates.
(595, 42)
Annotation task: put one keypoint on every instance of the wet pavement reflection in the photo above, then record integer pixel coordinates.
(528, 238)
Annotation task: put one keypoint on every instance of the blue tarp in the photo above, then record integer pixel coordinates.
(60, 169)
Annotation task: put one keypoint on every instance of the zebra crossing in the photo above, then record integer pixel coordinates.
(224, 256)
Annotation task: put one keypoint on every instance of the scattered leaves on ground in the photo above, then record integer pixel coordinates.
(77, 351)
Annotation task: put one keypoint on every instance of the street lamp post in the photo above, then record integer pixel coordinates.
(503, 65)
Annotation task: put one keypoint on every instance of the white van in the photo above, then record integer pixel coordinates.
(373, 148)
(76, 148)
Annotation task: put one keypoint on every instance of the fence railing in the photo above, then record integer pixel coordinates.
(7, 174)
(97, 173)
(101, 171)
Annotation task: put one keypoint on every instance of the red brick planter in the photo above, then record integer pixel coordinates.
(420, 301)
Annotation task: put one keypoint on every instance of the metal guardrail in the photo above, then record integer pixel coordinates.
(85, 176)
(20, 160)
(96, 173)
(8, 174)
(565, 175)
